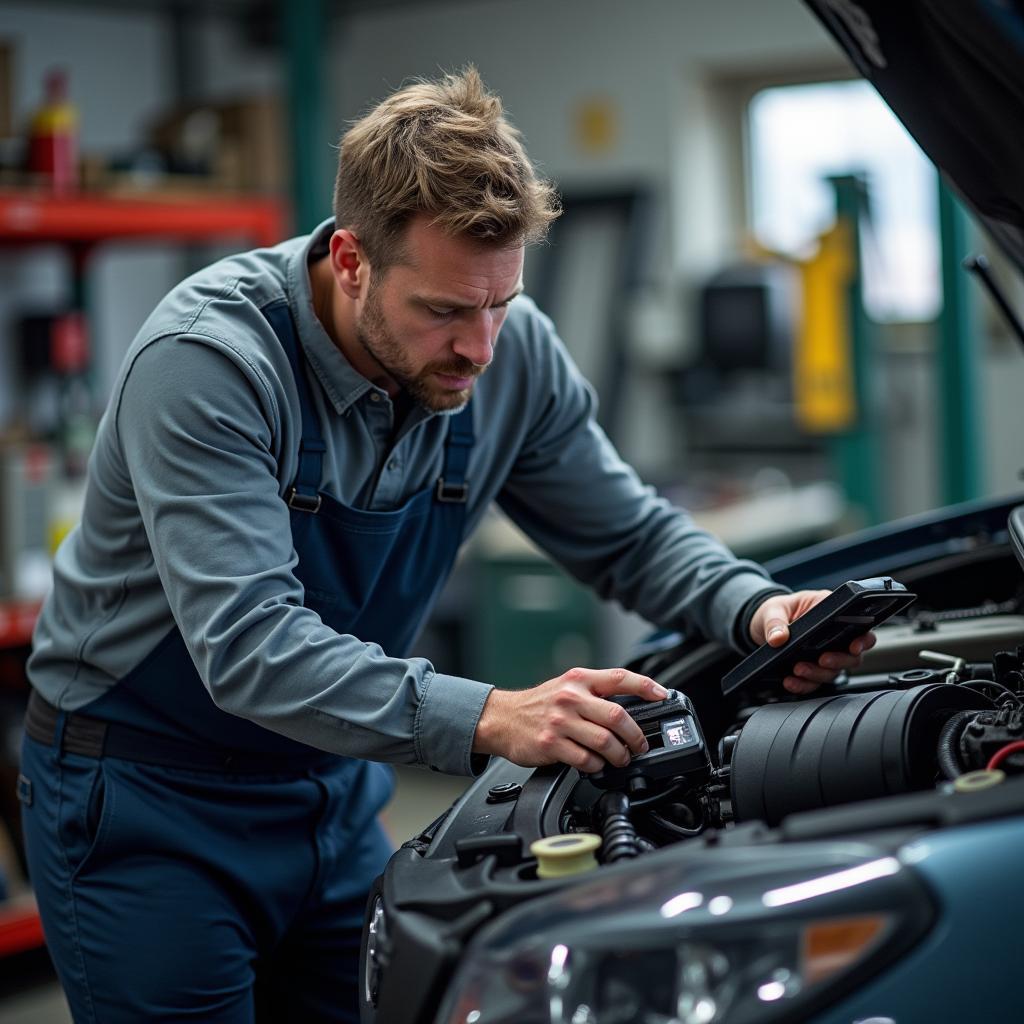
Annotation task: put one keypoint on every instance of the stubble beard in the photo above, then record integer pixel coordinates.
(376, 338)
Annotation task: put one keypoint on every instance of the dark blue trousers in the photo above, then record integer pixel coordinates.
(170, 894)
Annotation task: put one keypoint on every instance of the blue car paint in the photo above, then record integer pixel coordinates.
(963, 972)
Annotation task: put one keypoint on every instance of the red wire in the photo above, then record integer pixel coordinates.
(1003, 753)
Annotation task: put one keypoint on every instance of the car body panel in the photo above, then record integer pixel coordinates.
(965, 969)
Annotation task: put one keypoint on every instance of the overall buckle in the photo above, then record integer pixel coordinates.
(452, 494)
(303, 502)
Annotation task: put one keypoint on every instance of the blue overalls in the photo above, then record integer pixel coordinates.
(204, 867)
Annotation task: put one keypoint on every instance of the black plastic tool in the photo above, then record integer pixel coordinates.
(676, 744)
(850, 610)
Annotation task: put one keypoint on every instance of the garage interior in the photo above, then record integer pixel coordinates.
(756, 267)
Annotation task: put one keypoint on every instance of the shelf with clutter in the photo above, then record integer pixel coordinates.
(30, 216)
(199, 173)
(204, 171)
(204, 174)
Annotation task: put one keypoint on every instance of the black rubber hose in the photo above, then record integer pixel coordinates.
(619, 838)
(949, 741)
(677, 830)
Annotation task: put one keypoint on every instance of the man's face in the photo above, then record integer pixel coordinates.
(431, 322)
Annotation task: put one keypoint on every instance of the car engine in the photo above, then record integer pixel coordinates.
(936, 706)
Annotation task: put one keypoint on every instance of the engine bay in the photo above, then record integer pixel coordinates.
(924, 711)
(935, 708)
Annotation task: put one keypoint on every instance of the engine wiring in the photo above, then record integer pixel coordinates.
(1003, 753)
(1006, 694)
(670, 826)
(659, 796)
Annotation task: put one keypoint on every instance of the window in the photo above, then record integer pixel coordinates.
(801, 134)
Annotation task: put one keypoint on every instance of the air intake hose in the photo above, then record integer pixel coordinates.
(802, 755)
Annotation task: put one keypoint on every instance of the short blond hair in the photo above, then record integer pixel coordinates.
(445, 149)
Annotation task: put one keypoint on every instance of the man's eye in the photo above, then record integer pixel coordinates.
(439, 314)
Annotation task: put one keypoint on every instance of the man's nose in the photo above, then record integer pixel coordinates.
(475, 338)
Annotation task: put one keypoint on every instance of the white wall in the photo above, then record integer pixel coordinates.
(544, 58)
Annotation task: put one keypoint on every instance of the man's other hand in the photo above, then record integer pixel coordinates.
(567, 720)
(770, 624)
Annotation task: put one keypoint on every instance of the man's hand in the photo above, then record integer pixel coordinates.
(771, 624)
(566, 720)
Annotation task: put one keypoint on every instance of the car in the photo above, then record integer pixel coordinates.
(848, 856)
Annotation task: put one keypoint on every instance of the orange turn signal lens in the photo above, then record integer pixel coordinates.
(834, 945)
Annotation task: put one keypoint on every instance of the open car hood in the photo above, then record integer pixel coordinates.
(953, 72)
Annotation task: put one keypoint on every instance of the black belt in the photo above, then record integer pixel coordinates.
(91, 737)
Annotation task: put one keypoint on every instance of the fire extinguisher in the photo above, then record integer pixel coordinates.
(53, 137)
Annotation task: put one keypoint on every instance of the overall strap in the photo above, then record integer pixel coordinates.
(452, 486)
(304, 494)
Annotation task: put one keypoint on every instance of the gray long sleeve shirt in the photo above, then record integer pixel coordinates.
(184, 521)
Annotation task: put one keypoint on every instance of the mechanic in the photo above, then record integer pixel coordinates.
(298, 442)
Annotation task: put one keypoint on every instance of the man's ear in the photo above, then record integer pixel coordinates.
(348, 263)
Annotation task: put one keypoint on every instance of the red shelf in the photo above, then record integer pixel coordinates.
(17, 620)
(30, 217)
(20, 927)
(27, 218)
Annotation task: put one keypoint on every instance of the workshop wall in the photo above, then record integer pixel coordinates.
(606, 94)
(641, 65)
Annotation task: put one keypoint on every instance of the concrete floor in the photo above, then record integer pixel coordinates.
(420, 797)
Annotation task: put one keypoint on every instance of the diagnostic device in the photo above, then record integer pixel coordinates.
(849, 611)
(675, 743)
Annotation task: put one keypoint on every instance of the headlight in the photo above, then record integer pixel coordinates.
(638, 946)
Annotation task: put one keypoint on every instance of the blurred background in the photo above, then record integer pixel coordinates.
(757, 268)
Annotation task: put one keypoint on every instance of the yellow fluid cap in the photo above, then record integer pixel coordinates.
(571, 854)
(971, 782)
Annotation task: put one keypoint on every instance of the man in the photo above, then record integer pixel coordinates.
(297, 443)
